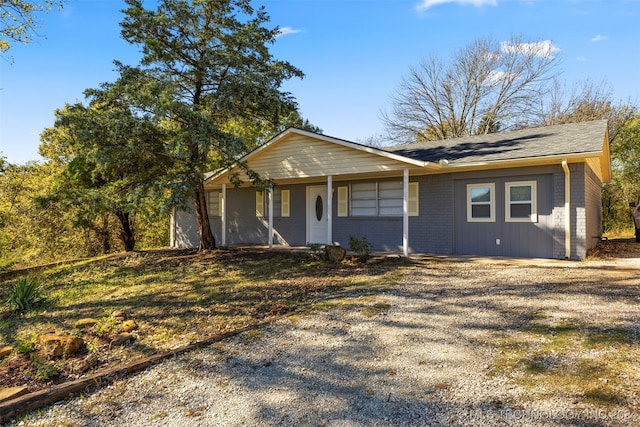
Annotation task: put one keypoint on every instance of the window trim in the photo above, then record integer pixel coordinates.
(533, 202)
(491, 203)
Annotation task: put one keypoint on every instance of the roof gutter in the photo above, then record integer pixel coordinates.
(567, 209)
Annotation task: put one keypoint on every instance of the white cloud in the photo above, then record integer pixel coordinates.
(495, 77)
(599, 38)
(581, 59)
(543, 48)
(428, 4)
(287, 30)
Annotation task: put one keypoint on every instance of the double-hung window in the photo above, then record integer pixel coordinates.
(383, 198)
(520, 203)
(214, 203)
(481, 202)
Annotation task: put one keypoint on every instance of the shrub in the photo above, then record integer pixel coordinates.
(361, 247)
(25, 295)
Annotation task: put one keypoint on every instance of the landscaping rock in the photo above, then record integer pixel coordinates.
(6, 350)
(121, 339)
(85, 364)
(129, 325)
(334, 253)
(119, 315)
(60, 345)
(8, 393)
(85, 323)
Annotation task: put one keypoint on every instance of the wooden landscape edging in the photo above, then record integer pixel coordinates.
(38, 399)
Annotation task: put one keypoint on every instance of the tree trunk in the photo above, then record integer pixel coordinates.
(207, 241)
(105, 235)
(125, 235)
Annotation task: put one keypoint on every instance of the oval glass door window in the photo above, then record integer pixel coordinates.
(319, 208)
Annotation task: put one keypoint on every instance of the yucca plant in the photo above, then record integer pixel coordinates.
(25, 294)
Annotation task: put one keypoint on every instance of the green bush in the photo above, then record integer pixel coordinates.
(25, 295)
(361, 247)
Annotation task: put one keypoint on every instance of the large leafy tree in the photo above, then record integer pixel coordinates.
(485, 86)
(18, 20)
(112, 156)
(211, 65)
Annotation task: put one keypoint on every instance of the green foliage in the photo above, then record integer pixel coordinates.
(18, 22)
(361, 247)
(206, 67)
(112, 157)
(624, 190)
(45, 369)
(26, 293)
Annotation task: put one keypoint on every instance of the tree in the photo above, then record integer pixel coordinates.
(18, 23)
(485, 86)
(254, 133)
(586, 101)
(113, 157)
(590, 101)
(211, 64)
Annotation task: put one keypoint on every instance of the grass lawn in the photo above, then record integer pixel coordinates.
(175, 298)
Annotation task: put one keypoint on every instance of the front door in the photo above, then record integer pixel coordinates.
(317, 214)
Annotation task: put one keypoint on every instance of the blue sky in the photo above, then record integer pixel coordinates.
(353, 53)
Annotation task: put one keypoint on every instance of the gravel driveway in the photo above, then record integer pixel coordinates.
(421, 353)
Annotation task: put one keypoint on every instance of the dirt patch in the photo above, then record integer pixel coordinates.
(616, 248)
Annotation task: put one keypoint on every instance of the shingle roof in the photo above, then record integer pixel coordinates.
(565, 139)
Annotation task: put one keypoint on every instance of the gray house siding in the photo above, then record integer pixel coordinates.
(244, 227)
(441, 226)
(185, 228)
(384, 232)
(593, 188)
(499, 237)
(432, 231)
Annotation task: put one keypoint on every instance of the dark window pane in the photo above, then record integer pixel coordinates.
(481, 211)
(521, 210)
(319, 208)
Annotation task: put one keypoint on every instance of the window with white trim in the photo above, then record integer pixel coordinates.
(377, 199)
(520, 201)
(214, 203)
(481, 202)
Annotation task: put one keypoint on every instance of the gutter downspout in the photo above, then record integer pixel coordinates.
(567, 209)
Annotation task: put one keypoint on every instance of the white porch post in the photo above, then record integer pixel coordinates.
(405, 214)
(223, 216)
(329, 210)
(270, 217)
